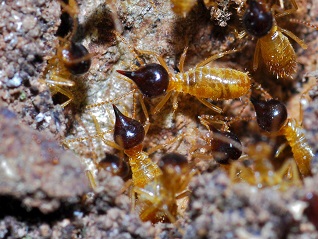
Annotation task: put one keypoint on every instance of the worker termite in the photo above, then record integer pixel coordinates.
(272, 117)
(254, 166)
(129, 135)
(277, 52)
(71, 58)
(201, 81)
(157, 201)
(258, 170)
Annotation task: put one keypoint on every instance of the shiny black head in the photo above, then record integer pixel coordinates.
(258, 19)
(271, 114)
(225, 146)
(76, 58)
(128, 132)
(174, 163)
(151, 79)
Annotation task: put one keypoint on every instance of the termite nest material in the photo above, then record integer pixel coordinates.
(208, 84)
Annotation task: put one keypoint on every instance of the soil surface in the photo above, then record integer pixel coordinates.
(48, 151)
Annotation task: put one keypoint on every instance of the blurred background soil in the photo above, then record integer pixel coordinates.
(44, 192)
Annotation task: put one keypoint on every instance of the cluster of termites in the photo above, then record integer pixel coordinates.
(155, 187)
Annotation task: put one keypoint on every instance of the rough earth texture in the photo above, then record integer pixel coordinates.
(44, 191)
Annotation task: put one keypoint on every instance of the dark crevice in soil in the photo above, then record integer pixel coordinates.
(10, 206)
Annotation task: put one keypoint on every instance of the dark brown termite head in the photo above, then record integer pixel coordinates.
(270, 114)
(76, 58)
(258, 19)
(225, 146)
(174, 163)
(128, 132)
(115, 166)
(151, 79)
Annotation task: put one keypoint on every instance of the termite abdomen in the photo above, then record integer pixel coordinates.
(128, 132)
(151, 79)
(258, 19)
(76, 59)
(271, 114)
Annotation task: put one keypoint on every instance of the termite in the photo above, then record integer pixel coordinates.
(201, 81)
(254, 166)
(257, 169)
(277, 52)
(129, 134)
(117, 166)
(272, 117)
(157, 201)
(71, 58)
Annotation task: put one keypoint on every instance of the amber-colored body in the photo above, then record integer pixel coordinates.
(129, 134)
(70, 59)
(57, 75)
(157, 201)
(261, 172)
(182, 7)
(156, 186)
(302, 152)
(212, 83)
(201, 81)
(272, 117)
(275, 49)
(144, 170)
(277, 53)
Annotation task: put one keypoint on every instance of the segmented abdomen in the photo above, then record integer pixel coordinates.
(302, 152)
(143, 169)
(213, 83)
(278, 55)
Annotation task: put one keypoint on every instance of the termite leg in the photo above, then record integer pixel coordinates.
(215, 57)
(294, 37)
(285, 12)
(144, 109)
(161, 146)
(101, 135)
(182, 59)
(256, 56)
(287, 166)
(161, 103)
(159, 58)
(210, 106)
(56, 89)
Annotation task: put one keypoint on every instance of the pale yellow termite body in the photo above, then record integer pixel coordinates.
(205, 82)
(278, 54)
(276, 50)
(302, 152)
(262, 173)
(143, 169)
(212, 83)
